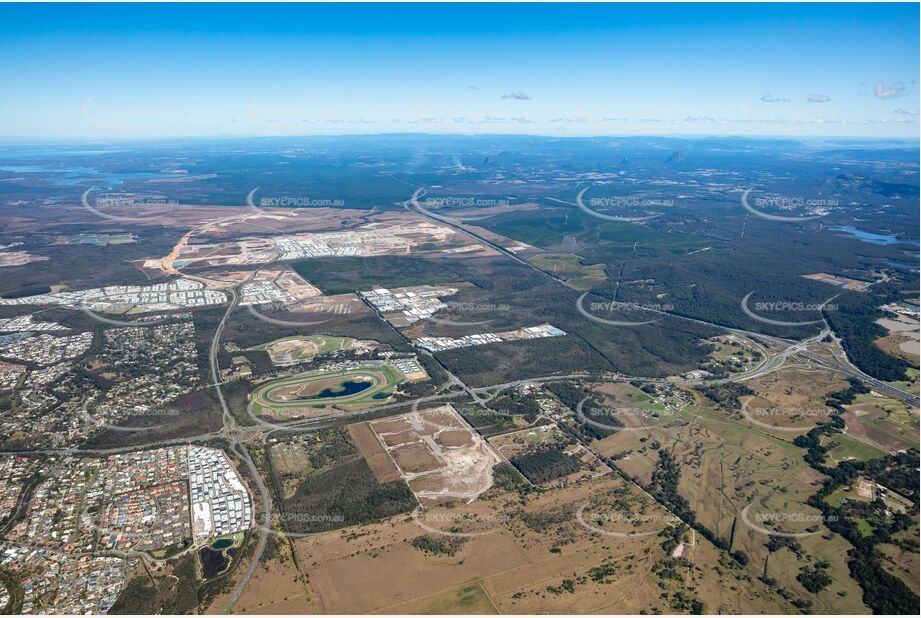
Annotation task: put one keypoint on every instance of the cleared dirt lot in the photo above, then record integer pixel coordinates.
(438, 454)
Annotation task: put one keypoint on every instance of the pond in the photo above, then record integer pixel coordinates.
(212, 562)
(222, 544)
(349, 387)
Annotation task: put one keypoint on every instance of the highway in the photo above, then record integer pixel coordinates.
(842, 366)
(232, 433)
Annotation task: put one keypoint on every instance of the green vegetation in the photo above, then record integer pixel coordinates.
(572, 268)
(516, 403)
(345, 494)
(814, 579)
(545, 464)
(438, 545)
(11, 582)
(177, 593)
(726, 394)
(342, 275)
(864, 525)
(840, 447)
(855, 324)
(507, 478)
(337, 489)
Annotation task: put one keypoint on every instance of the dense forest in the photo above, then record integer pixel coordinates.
(546, 464)
(882, 592)
(855, 324)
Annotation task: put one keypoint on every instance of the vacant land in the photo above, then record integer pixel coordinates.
(530, 556)
(438, 454)
(735, 477)
(572, 268)
(292, 350)
(333, 487)
(884, 423)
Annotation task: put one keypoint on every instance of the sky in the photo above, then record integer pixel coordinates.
(157, 71)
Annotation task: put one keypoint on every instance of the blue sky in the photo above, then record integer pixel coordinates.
(127, 71)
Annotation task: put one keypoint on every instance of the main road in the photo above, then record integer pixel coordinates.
(843, 366)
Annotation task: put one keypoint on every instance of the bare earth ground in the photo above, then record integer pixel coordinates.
(374, 453)
(438, 454)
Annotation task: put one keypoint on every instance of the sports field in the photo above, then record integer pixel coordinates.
(344, 389)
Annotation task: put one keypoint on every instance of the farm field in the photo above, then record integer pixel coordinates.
(885, 423)
(842, 447)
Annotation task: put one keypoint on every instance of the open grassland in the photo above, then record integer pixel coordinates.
(885, 423)
(910, 383)
(901, 558)
(842, 447)
(733, 475)
(572, 268)
(636, 409)
(792, 400)
(527, 555)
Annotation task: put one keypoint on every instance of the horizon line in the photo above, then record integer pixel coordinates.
(689, 136)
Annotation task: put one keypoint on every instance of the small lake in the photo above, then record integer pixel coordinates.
(75, 175)
(870, 237)
(212, 562)
(349, 387)
(222, 544)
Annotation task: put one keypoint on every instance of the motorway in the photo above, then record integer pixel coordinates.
(784, 355)
(232, 434)
(842, 365)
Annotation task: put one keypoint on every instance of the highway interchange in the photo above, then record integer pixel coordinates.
(820, 351)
